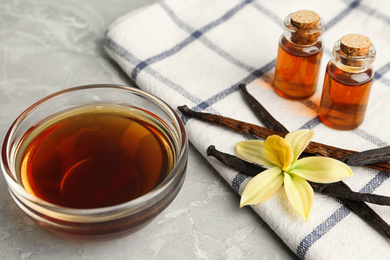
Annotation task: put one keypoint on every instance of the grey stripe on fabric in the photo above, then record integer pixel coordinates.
(194, 35)
(129, 57)
(203, 39)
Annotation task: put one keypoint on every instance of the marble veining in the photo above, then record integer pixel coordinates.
(46, 46)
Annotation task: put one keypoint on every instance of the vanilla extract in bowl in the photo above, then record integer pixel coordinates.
(95, 161)
(92, 157)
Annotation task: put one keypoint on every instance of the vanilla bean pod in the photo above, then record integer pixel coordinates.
(313, 148)
(340, 189)
(361, 209)
(235, 163)
(337, 189)
(368, 157)
(354, 203)
(334, 189)
(266, 118)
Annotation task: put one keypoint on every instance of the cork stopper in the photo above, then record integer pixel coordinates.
(304, 26)
(355, 44)
(305, 19)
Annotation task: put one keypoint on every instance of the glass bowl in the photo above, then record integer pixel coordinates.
(114, 220)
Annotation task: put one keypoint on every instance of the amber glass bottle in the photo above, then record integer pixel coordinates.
(299, 55)
(347, 83)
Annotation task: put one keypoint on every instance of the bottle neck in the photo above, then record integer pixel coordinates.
(302, 37)
(349, 69)
(353, 64)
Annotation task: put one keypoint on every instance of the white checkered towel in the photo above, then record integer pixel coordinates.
(196, 52)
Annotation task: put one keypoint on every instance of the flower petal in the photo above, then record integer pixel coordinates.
(278, 151)
(262, 187)
(299, 194)
(321, 169)
(252, 151)
(298, 141)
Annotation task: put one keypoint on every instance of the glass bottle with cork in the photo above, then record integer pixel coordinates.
(299, 55)
(347, 84)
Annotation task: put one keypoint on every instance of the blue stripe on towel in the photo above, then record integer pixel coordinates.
(238, 180)
(223, 94)
(209, 44)
(340, 213)
(188, 40)
(336, 217)
(372, 12)
(341, 15)
(269, 13)
(372, 139)
(311, 124)
(129, 57)
(321, 230)
(382, 71)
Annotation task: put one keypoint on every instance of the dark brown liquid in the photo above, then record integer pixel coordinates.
(344, 97)
(296, 70)
(95, 159)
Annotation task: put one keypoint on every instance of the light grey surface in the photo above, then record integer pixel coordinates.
(46, 46)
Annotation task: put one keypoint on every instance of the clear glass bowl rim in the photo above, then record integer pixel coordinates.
(105, 213)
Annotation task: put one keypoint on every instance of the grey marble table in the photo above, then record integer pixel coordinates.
(46, 46)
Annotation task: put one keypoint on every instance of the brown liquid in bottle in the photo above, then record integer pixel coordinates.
(344, 97)
(297, 69)
(347, 83)
(299, 55)
(96, 159)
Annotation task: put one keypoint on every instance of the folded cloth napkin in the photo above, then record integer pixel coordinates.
(197, 52)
